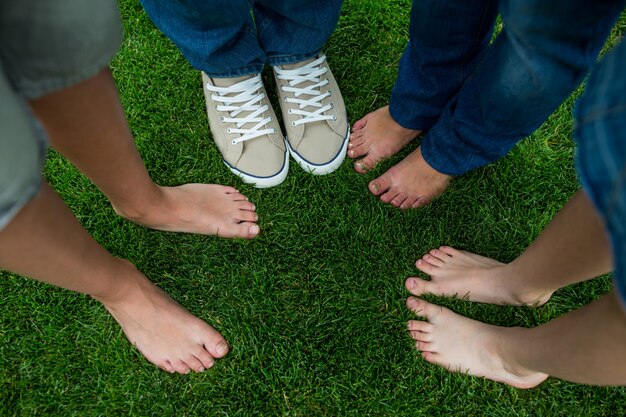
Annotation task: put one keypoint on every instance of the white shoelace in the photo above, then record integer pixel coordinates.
(247, 99)
(309, 73)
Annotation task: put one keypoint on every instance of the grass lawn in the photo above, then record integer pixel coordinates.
(314, 307)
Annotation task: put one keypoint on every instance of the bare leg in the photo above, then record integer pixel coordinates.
(86, 123)
(585, 346)
(44, 241)
(571, 249)
(376, 137)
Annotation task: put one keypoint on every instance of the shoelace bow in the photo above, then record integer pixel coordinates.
(309, 73)
(247, 98)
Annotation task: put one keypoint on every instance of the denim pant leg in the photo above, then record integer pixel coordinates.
(446, 39)
(217, 37)
(293, 30)
(601, 153)
(539, 58)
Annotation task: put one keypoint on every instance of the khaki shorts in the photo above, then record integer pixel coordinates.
(45, 46)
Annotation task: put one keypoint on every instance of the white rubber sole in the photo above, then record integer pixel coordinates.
(263, 182)
(322, 169)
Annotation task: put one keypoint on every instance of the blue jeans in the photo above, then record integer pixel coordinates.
(601, 156)
(478, 99)
(222, 38)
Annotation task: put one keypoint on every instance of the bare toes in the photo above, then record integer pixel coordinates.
(398, 199)
(247, 216)
(204, 357)
(418, 286)
(379, 185)
(424, 346)
(194, 364)
(419, 326)
(358, 150)
(238, 197)
(423, 309)
(245, 230)
(407, 204)
(365, 164)
(359, 124)
(356, 139)
(216, 345)
(439, 255)
(180, 367)
(432, 260)
(246, 205)
(450, 251)
(425, 267)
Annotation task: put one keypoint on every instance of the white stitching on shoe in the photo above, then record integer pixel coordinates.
(249, 94)
(310, 72)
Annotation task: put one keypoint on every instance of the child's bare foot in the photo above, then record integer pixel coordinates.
(164, 332)
(467, 346)
(411, 183)
(376, 137)
(473, 277)
(207, 209)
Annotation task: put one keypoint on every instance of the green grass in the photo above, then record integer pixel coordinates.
(313, 308)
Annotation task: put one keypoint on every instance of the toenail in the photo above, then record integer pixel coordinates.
(201, 370)
(360, 166)
(412, 283)
(221, 348)
(254, 230)
(376, 187)
(351, 153)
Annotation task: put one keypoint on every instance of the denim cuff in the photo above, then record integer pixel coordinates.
(248, 70)
(291, 59)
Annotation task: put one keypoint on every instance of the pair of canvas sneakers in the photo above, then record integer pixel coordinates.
(247, 133)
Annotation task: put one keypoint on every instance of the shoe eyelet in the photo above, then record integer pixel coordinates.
(222, 119)
(233, 142)
(285, 100)
(282, 88)
(273, 130)
(330, 93)
(332, 106)
(271, 118)
(293, 124)
(229, 130)
(289, 111)
(334, 118)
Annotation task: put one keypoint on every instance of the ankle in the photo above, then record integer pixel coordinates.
(140, 207)
(123, 279)
(522, 290)
(506, 351)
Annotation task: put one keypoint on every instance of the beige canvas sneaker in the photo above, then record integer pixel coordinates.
(245, 129)
(314, 114)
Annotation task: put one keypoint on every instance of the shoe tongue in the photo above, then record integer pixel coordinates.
(227, 82)
(299, 64)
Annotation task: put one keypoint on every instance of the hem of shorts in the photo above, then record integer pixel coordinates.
(36, 89)
(30, 193)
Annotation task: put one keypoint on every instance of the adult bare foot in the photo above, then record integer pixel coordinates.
(163, 331)
(467, 346)
(207, 209)
(411, 183)
(473, 277)
(376, 137)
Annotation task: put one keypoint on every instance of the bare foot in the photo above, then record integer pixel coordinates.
(473, 277)
(467, 346)
(164, 332)
(207, 209)
(411, 183)
(376, 137)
